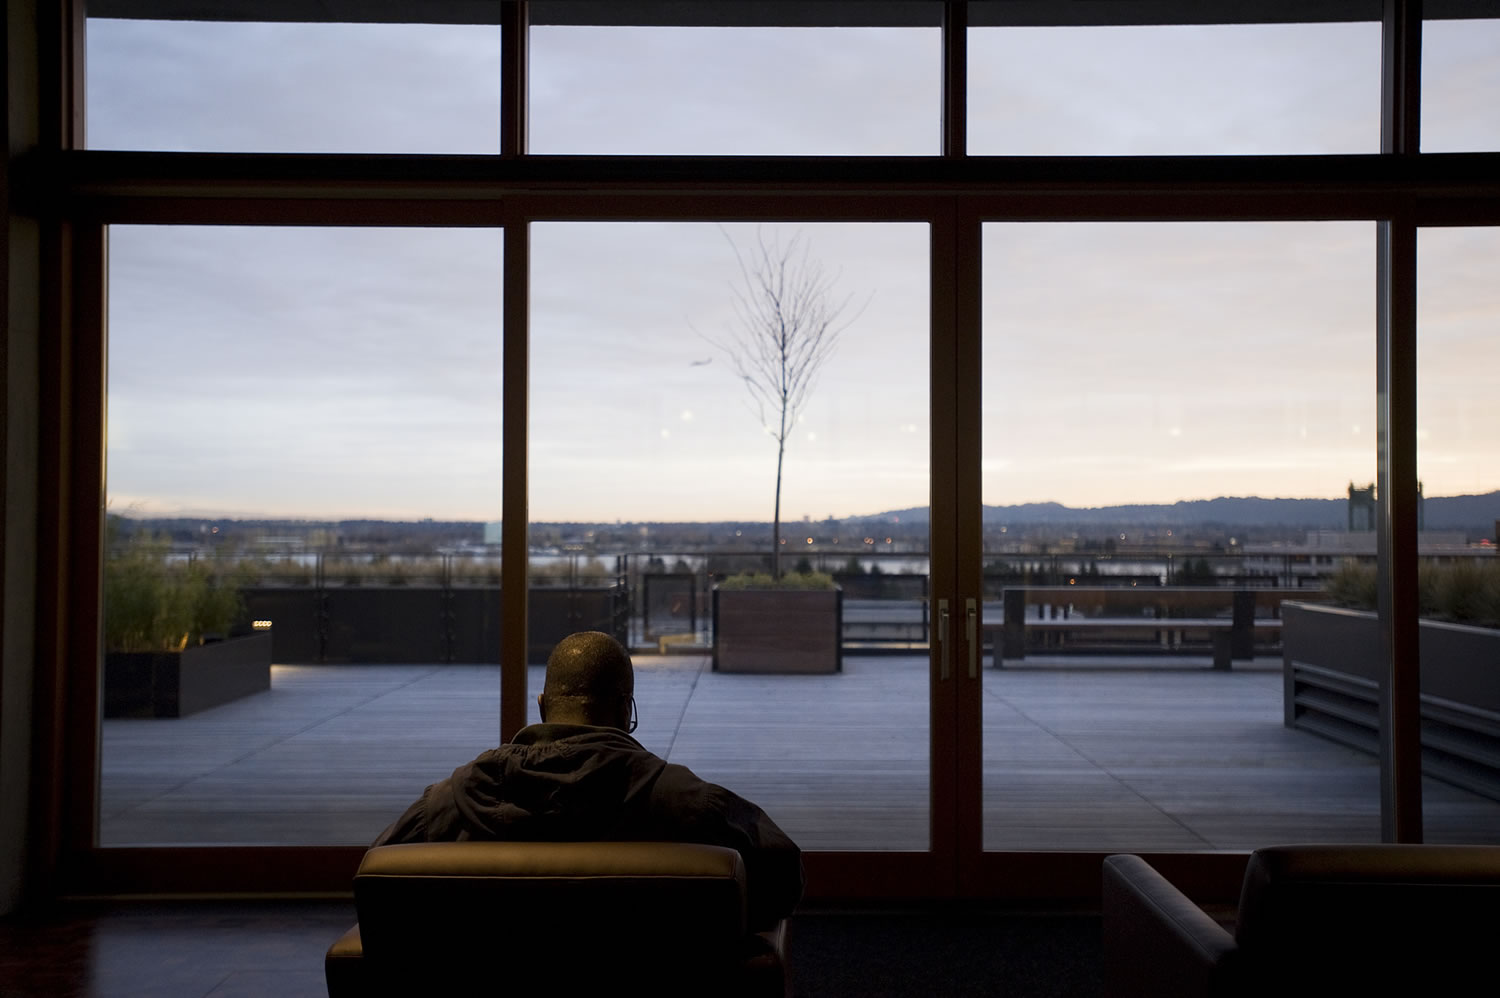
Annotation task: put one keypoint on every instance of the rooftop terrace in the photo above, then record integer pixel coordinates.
(1112, 753)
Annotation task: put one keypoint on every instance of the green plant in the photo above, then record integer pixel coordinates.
(1353, 585)
(793, 580)
(1465, 591)
(152, 603)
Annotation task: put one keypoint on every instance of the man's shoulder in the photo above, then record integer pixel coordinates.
(678, 779)
(679, 788)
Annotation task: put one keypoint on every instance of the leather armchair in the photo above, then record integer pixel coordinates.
(668, 917)
(1315, 920)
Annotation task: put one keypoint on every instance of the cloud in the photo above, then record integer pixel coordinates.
(345, 371)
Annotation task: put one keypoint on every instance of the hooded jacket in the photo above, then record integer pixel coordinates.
(575, 782)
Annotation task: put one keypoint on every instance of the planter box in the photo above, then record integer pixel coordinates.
(778, 630)
(1330, 668)
(178, 683)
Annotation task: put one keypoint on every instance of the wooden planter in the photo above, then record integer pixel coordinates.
(778, 630)
(178, 683)
(1331, 659)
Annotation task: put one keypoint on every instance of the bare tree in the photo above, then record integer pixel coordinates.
(787, 322)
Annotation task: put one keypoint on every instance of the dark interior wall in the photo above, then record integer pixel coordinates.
(20, 301)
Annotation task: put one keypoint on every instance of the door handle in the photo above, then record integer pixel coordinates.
(971, 629)
(944, 645)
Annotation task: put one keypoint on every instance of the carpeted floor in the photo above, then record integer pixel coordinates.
(275, 948)
(945, 951)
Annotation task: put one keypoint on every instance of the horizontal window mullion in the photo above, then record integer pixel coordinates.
(454, 188)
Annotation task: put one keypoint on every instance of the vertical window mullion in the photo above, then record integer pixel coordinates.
(515, 379)
(955, 70)
(516, 360)
(1396, 461)
(1396, 538)
(513, 48)
(1401, 76)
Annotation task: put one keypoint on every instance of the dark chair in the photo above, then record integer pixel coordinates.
(663, 917)
(1312, 920)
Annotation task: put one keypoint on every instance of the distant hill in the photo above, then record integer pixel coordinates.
(1475, 512)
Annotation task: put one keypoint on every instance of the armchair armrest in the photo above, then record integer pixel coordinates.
(1157, 942)
(344, 966)
(764, 962)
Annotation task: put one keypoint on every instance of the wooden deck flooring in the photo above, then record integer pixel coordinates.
(1097, 754)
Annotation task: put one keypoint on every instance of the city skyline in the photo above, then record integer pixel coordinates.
(345, 373)
(1451, 512)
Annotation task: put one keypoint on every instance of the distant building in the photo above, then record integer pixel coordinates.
(1362, 508)
(1296, 564)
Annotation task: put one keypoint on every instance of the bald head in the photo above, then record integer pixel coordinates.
(589, 681)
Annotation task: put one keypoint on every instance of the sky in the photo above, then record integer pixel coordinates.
(356, 372)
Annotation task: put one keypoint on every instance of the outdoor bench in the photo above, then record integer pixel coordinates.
(1060, 614)
(1172, 631)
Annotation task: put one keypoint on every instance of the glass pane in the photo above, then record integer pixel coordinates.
(1458, 463)
(304, 451)
(653, 482)
(235, 86)
(1173, 417)
(734, 91)
(1174, 89)
(1460, 85)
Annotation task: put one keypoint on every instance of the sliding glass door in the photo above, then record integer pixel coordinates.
(301, 626)
(661, 455)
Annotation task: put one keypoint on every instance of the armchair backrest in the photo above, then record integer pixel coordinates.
(558, 910)
(1366, 912)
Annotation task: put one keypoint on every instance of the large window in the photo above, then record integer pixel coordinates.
(1191, 401)
(1044, 367)
(646, 436)
(805, 91)
(1174, 89)
(1459, 574)
(233, 86)
(1460, 85)
(304, 447)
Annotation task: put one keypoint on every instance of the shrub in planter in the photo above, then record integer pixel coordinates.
(790, 625)
(797, 581)
(165, 625)
(1463, 592)
(152, 604)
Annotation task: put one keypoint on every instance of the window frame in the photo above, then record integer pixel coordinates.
(80, 192)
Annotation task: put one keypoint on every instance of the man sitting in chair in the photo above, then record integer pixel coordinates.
(579, 776)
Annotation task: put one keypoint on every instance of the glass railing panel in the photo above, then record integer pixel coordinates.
(300, 600)
(654, 477)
